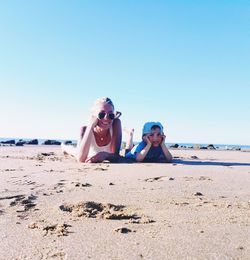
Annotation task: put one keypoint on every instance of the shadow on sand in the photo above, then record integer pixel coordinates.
(204, 163)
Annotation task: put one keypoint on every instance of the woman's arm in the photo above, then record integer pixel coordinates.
(116, 137)
(84, 143)
(102, 156)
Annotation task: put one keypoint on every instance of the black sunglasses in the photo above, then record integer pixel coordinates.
(101, 115)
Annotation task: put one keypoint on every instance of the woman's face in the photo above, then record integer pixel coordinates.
(105, 113)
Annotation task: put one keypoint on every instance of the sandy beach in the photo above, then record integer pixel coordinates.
(52, 207)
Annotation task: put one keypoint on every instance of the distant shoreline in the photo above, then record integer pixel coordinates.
(177, 145)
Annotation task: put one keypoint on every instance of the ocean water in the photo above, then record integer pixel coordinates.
(187, 145)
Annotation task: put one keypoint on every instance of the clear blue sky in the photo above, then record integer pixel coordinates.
(184, 63)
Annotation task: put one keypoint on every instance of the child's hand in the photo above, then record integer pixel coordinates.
(146, 139)
(163, 139)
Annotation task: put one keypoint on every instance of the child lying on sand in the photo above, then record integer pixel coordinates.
(152, 148)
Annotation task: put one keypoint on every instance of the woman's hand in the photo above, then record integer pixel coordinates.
(93, 121)
(99, 157)
(117, 114)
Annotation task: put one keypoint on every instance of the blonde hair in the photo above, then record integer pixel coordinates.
(102, 100)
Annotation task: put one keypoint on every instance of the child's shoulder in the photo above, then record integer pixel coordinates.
(138, 146)
(142, 144)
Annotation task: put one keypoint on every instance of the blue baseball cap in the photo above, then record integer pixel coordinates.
(148, 127)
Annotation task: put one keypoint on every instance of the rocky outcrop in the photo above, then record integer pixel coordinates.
(33, 142)
(51, 142)
(211, 147)
(8, 142)
(174, 146)
(20, 142)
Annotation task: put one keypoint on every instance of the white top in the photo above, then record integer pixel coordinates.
(94, 148)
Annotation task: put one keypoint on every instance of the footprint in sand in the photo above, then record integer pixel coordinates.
(26, 203)
(58, 255)
(13, 197)
(57, 229)
(100, 169)
(198, 194)
(204, 178)
(187, 178)
(23, 182)
(142, 220)
(51, 254)
(51, 229)
(50, 156)
(1, 211)
(78, 184)
(91, 209)
(158, 178)
(59, 187)
(9, 170)
(123, 230)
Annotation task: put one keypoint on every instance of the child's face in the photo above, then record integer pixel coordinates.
(155, 137)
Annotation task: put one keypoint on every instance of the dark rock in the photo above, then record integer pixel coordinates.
(86, 184)
(33, 142)
(211, 147)
(123, 230)
(8, 142)
(51, 142)
(174, 146)
(20, 142)
(68, 142)
(198, 194)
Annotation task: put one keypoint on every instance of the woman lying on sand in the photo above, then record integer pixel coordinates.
(101, 139)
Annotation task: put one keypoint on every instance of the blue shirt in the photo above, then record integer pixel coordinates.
(155, 154)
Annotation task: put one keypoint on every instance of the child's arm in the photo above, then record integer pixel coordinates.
(165, 150)
(140, 156)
